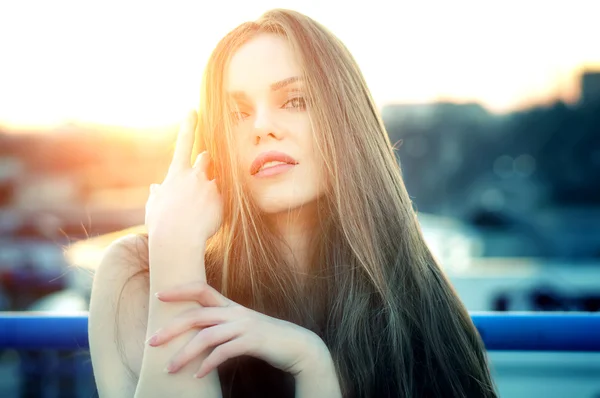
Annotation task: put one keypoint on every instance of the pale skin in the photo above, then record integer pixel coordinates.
(178, 329)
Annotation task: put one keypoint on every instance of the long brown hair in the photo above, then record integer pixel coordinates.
(375, 294)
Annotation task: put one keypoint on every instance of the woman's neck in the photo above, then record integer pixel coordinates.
(296, 227)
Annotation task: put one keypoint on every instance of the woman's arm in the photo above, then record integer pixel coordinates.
(182, 213)
(172, 267)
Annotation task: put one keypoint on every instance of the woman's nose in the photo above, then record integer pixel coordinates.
(264, 125)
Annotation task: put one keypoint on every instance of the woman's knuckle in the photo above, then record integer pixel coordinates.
(222, 351)
(249, 323)
(196, 322)
(201, 288)
(239, 311)
(207, 334)
(255, 342)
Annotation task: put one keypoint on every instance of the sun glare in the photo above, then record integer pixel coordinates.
(139, 66)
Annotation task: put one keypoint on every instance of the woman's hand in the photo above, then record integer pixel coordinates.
(186, 209)
(232, 330)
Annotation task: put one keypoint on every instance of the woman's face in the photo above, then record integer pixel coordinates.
(273, 134)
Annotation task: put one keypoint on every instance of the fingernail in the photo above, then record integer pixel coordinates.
(152, 340)
(170, 368)
(157, 295)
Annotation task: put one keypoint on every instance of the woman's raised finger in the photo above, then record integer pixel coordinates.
(201, 164)
(185, 143)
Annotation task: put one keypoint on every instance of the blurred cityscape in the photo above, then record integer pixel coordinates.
(510, 203)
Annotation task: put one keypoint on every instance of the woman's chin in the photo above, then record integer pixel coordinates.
(273, 205)
(270, 208)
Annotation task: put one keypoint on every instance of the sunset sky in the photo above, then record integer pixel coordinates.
(139, 64)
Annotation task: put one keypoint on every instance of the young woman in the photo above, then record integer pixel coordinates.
(287, 260)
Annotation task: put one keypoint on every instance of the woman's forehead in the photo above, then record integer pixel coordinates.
(265, 63)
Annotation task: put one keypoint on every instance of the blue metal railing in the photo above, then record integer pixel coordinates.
(501, 331)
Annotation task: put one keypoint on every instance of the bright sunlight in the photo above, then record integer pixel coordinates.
(139, 64)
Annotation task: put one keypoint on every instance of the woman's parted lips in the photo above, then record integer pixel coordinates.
(270, 156)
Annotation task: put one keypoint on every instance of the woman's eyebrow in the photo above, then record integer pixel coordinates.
(240, 95)
(285, 82)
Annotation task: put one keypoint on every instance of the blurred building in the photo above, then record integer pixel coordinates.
(46, 191)
(590, 87)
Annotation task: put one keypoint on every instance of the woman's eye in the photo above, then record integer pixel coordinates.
(239, 115)
(295, 103)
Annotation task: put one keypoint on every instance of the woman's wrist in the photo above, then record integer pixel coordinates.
(318, 377)
(165, 239)
(174, 263)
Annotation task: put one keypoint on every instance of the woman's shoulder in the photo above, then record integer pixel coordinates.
(124, 261)
(119, 307)
(121, 277)
(129, 252)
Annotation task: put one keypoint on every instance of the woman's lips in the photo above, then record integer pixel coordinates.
(274, 170)
(270, 156)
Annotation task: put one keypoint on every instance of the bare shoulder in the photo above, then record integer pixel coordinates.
(119, 315)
